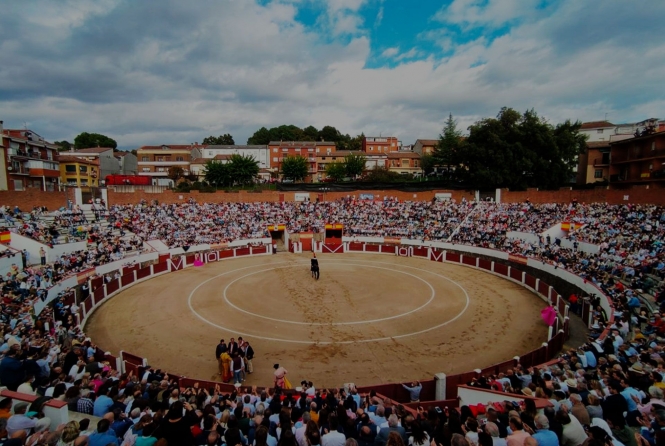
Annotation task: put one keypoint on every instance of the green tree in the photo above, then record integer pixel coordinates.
(260, 137)
(449, 144)
(427, 163)
(63, 146)
(175, 173)
(311, 133)
(355, 143)
(382, 174)
(217, 173)
(329, 133)
(295, 167)
(86, 140)
(518, 151)
(354, 164)
(336, 171)
(221, 140)
(243, 169)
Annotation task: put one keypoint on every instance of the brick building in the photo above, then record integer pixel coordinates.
(639, 160)
(425, 146)
(27, 161)
(380, 144)
(404, 163)
(155, 161)
(311, 150)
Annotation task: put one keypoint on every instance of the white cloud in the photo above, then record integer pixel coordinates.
(178, 74)
(390, 52)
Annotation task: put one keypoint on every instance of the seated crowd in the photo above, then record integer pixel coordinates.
(608, 391)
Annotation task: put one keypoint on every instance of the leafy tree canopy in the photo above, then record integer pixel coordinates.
(86, 140)
(427, 163)
(63, 146)
(221, 140)
(295, 167)
(309, 133)
(243, 168)
(336, 171)
(517, 151)
(354, 164)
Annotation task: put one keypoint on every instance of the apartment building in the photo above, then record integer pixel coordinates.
(425, 146)
(27, 161)
(404, 163)
(79, 171)
(155, 161)
(638, 160)
(308, 149)
(381, 144)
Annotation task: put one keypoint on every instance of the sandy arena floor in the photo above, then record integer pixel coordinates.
(369, 319)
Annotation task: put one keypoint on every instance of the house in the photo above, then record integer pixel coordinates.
(127, 163)
(371, 160)
(108, 164)
(404, 163)
(79, 171)
(594, 164)
(381, 144)
(425, 146)
(258, 152)
(197, 165)
(638, 160)
(27, 161)
(308, 149)
(155, 161)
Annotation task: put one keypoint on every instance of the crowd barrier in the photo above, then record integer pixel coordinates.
(130, 275)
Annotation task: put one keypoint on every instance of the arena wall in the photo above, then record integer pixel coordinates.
(53, 200)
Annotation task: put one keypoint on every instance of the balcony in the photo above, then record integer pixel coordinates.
(17, 153)
(19, 170)
(600, 162)
(637, 154)
(644, 177)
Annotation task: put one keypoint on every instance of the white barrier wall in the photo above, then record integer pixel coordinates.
(21, 242)
(524, 236)
(6, 263)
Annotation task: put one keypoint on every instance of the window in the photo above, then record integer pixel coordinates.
(70, 168)
(405, 163)
(83, 169)
(371, 147)
(18, 184)
(161, 169)
(329, 151)
(145, 158)
(275, 149)
(84, 181)
(598, 173)
(145, 169)
(599, 131)
(285, 150)
(210, 153)
(275, 159)
(179, 158)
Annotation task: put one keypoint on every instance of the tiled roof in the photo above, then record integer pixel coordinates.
(95, 150)
(428, 142)
(596, 124)
(301, 143)
(235, 147)
(173, 147)
(75, 159)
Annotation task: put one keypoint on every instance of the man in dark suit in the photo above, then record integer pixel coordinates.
(384, 432)
(233, 346)
(315, 267)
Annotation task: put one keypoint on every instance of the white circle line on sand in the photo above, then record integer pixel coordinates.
(359, 341)
(370, 321)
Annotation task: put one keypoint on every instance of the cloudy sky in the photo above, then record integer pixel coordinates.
(172, 71)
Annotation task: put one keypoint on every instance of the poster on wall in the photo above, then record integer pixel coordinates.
(302, 196)
(367, 196)
(443, 196)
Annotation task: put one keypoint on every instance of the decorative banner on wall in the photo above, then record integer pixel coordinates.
(84, 275)
(334, 226)
(301, 196)
(276, 227)
(219, 246)
(367, 196)
(5, 237)
(392, 240)
(517, 259)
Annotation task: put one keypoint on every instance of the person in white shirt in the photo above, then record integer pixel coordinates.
(332, 437)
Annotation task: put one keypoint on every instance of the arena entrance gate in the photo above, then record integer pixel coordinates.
(334, 234)
(278, 238)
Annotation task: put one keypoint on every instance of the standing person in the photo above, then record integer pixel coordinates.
(221, 348)
(42, 255)
(315, 267)
(280, 376)
(414, 391)
(249, 355)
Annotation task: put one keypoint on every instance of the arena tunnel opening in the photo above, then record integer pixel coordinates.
(279, 237)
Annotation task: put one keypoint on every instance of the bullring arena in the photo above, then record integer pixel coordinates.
(369, 319)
